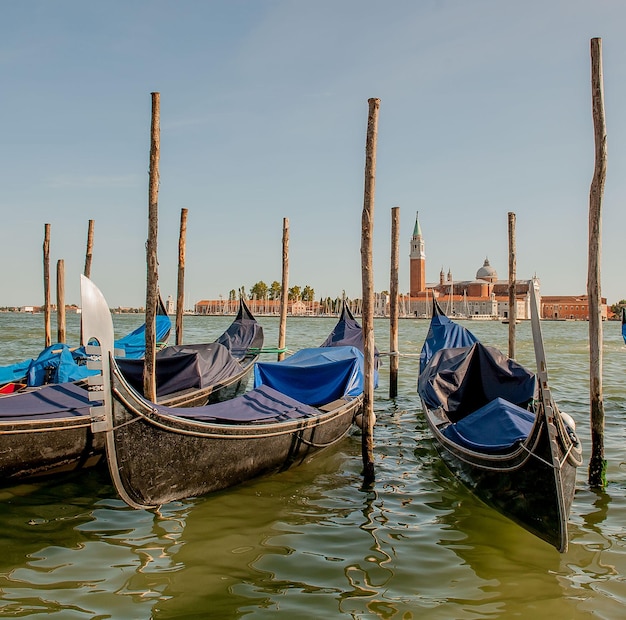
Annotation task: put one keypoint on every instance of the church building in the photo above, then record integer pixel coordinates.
(485, 297)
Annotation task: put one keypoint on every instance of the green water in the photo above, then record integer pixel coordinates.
(309, 542)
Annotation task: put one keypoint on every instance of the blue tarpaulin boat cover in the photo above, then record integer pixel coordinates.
(134, 344)
(497, 426)
(348, 332)
(57, 364)
(60, 363)
(14, 372)
(315, 376)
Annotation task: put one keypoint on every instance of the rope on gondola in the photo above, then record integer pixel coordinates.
(269, 350)
(321, 445)
(86, 424)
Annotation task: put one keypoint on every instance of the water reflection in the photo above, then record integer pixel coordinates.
(237, 543)
(309, 543)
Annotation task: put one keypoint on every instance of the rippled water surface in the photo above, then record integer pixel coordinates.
(310, 542)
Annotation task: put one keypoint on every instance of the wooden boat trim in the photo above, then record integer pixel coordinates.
(59, 424)
(500, 462)
(135, 405)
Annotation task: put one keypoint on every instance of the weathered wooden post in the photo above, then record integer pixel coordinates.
(284, 293)
(597, 462)
(46, 285)
(87, 270)
(89, 252)
(367, 233)
(512, 280)
(149, 374)
(60, 300)
(180, 298)
(393, 302)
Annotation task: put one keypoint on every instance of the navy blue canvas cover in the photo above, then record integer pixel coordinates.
(258, 406)
(443, 334)
(51, 401)
(182, 367)
(348, 332)
(464, 379)
(315, 376)
(496, 427)
(243, 334)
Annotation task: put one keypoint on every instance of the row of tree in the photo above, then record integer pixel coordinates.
(260, 290)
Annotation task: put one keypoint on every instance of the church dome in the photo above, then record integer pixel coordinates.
(487, 272)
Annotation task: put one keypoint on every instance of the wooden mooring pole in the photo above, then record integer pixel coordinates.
(394, 361)
(180, 298)
(367, 275)
(149, 374)
(89, 251)
(60, 300)
(284, 293)
(512, 285)
(87, 270)
(46, 285)
(597, 462)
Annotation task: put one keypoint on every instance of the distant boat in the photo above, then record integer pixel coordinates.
(482, 317)
(624, 324)
(498, 429)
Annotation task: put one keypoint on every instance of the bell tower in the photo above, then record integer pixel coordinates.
(418, 261)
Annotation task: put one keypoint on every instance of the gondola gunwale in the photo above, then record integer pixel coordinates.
(134, 403)
(480, 459)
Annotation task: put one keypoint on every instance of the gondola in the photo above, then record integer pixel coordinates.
(624, 324)
(48, 430)
(158, 454)
(497, 427)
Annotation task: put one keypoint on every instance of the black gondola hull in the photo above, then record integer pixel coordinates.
(160, 459)
(523, 484)
(41, 441)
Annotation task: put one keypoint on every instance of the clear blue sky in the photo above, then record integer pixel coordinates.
(485, 109)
